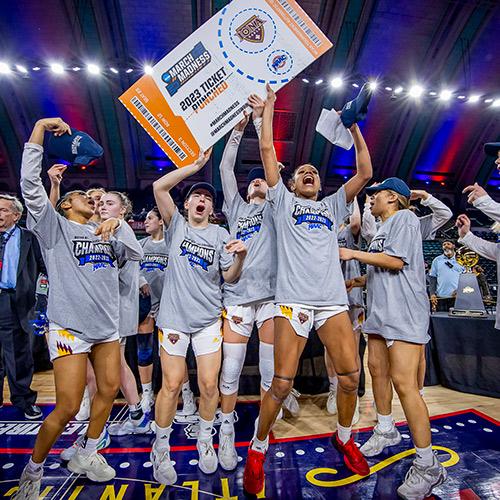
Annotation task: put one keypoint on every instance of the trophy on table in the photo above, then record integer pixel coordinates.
(469, 301)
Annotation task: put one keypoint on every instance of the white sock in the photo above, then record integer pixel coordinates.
(89, 446)
(334, 381)
(421, 391)
(33, 469)
(384, 422)
(344, 433)
(425, 456)
(162, 441)
(186, 388)
(258, 445)
(227, 425)
(147, 387)
(86, 393)
(206, 427)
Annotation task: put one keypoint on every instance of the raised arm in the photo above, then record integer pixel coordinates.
(238, 248)
(368, 222)
(32, 188)
(267, 152)
(441, 214)
(163, 186)
(355, 219)
(364, 170)
(477, 196)
(228, 179)
(55, 174)
(487, 249)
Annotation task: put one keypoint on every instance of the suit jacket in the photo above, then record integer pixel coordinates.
(30, 265)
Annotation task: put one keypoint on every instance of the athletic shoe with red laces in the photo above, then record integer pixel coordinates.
(353, 458)
(253, 477)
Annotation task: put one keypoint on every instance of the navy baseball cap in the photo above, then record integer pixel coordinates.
(205, 186)
(394, 184)
(78, 148)
(355, 111)
(492, 148)
(256, 173)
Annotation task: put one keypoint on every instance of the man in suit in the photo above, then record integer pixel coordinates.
(20, 263)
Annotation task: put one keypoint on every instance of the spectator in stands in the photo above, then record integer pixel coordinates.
(443, 278)
(20, 264)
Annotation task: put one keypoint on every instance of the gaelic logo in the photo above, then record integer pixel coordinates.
(315, 218)
(99, 254)
(184, 69)
(197, 255)
(252, 30)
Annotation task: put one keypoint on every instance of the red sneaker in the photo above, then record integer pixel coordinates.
(253, 477)
(353, 458)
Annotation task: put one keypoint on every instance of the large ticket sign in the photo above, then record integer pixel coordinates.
(198, 92)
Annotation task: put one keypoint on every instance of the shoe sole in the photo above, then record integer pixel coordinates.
(37, 417)
(386, 446)
(78, 470)
(167, 483)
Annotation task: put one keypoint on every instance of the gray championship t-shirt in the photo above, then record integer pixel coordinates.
(129, 298)
(351, 268)
(193, 298)
(252, 224)
(308, 265)
(153, 266)
(398, 306)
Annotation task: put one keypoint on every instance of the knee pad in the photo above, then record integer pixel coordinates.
(266, 365)
(282, 387)
(349, 382)
(232, 364)
(144, 349)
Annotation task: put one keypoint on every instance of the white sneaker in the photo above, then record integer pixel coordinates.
(291, 404)
(379, 441)
(147, 401)
(356, 416)
(188, 405)
(420, 480)
(163, 469)
(129, 426)
(104, 442)
(207, 460)
(94, 466)
(228, 458)
(331, 403)
(29, 487)
(84, 411)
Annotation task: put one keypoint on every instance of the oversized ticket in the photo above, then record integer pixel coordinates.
(198, 92)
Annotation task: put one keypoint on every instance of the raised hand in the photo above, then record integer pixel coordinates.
(237, 247)
(271, 95)
(463, 225)
(240, 126)
(203, 158)
(107, 228)
(56, 173)
(55, 125)
(475, 191)
(419, 194)
(257, 104)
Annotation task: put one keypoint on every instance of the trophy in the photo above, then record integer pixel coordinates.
(468, 301)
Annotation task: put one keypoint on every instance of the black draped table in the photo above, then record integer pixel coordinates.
(464, 354)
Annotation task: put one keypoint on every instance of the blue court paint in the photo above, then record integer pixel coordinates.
(468, 442)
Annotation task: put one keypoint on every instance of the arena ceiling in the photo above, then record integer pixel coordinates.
(439, 44)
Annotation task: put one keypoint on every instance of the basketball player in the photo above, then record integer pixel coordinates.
(190, 311)
(310, 291)
(397, 324)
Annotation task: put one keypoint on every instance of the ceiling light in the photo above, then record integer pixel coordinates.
(373, 85)
(318, 82)
(398, 90)
(474, 98)
(416, 91)
(445, 95)
(148, 69)
(305, 80)
(93, 69)
(57, 68)
(336, 82)
(21, 69)
(114, 70)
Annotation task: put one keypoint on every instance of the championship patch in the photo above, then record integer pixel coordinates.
(197, 255)
(377, 245)
(184, 69)
(173, 338)
(302, 317)
(315, 218)
(152, 262)
(99, 254)
(249, 226)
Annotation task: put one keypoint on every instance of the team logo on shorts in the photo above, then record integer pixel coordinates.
(173, 338)
(63, 349)
(303, 317)
(184, 69)
(252, 30)
(248, 226)
(152, 262)
(198, 255)
(287, 311)
(315, 218)
(99, 254)
(236, 319)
